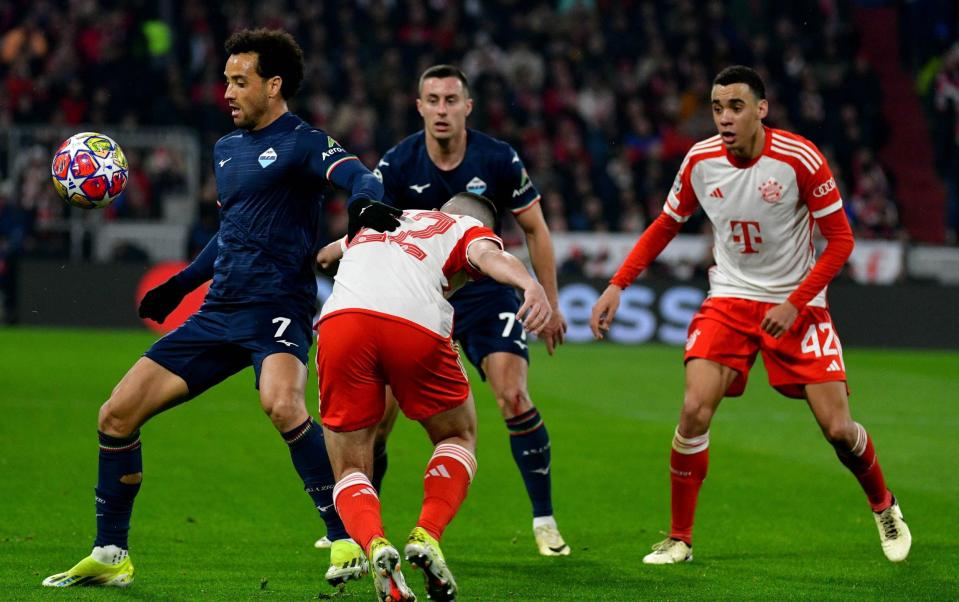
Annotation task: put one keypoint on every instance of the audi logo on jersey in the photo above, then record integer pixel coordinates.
(825, 188)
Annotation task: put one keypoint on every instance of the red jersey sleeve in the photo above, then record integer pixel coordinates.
(839, 245)
(817, 186)
(458, 259)
(681, 202)
(647, 248)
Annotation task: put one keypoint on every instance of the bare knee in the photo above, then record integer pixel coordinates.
(114, 421)
(696, 415)
(839, 433)
(285, 408)
(512, 399)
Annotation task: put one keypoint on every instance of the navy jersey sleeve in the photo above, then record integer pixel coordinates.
(523, 194)
(201, 268)
(390, 177)
(327, 159)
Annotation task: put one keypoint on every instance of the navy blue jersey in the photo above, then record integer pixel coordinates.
(490, 167)
(270, 184)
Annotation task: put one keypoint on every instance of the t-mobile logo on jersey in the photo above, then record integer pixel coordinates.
(745, 235)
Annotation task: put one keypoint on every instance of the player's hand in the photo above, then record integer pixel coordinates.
(535, 312)
(604, 311)
(364, 213)
(161, 300)
(554, 333)
(779, 319)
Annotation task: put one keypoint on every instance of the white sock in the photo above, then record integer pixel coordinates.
(109, 554)
(543, 521)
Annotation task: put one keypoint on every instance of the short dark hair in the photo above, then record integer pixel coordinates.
(473, 205)
(443, 71)
(277, 52)
(740, 74)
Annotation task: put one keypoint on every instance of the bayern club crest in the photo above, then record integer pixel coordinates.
(771, 190)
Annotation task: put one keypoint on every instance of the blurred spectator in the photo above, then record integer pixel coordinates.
(601, 98)
(946, 103)
(872, 210)
(12, 230)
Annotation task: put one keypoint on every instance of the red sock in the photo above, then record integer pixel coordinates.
(863, 462)
(359, 507)
(688, 462)
(448, 477)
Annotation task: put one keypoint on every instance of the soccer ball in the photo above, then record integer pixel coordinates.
(89, 170)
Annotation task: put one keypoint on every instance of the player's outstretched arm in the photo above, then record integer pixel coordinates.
(646, 249)
(328, 259)
(499, 265)
(159, 301)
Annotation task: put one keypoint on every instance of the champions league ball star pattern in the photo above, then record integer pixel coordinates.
(89, 170)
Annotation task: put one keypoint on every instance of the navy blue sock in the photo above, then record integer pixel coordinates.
(308, 450)
(380, 464)
(529, 441)
(119, 457)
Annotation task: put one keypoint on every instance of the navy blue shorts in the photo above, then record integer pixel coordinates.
(213, 345)
(485, 324)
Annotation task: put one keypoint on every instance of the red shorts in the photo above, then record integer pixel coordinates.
(359, 353)
(727, 331)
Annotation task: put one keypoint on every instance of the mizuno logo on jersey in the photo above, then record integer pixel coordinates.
(419, 188)
(521, 345)
(225, 161)
(717, 194)
(287, 343)
(267, 158)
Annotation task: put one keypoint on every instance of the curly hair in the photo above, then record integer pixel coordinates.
(278, 55)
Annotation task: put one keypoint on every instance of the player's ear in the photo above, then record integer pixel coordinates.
(469, 106)
(419, 107)
(763, 108)
(275, 85)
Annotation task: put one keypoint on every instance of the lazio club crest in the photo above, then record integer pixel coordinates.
(476, 186)
(268, 157)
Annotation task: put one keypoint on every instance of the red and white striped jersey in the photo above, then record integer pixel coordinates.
(408, 274)
(762, 213)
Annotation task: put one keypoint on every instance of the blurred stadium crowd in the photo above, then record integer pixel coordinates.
(602, 98)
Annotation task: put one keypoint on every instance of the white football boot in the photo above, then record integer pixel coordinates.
(669, 551)
(548, 539)
(893, 532)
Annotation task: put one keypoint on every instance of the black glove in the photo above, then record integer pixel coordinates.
(160, 301)
(365, 213)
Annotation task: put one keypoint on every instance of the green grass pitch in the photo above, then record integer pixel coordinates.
(222, 515)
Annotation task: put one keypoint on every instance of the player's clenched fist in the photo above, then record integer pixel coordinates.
(604, 311)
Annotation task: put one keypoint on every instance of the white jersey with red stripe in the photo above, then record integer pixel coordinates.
(762, 213)
(408, 274)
